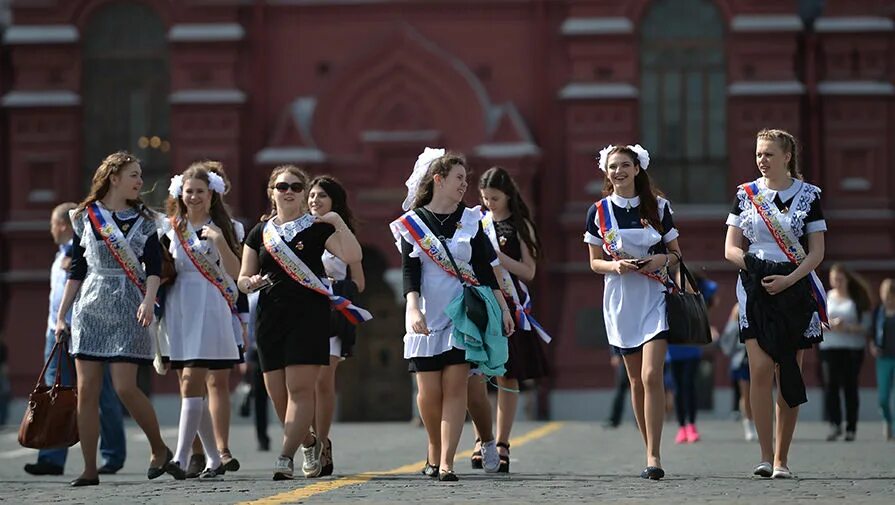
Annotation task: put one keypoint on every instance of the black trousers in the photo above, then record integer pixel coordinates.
(259, 395)
(684, 373)
(621, 390)
(841, 368)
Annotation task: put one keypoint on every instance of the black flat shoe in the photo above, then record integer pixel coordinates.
(43, 468)
(169, 466)
(447, 476)
(195, 466)
(108, 470)
(652, 473)
(81, 482)
(209, 473)
(230, 463)
(504, 458)
(430, 470)
(327, 459)
(475, 461)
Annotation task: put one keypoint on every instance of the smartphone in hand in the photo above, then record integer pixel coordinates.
(640, 263)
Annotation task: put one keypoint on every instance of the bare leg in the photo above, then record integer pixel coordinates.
(90, 381)
(275, 383)
(507, 403)
(761, 382)
(453, 411)
(786, 424)
(218, 382)
(633, 365)
(429, 400)
(745, 403)
(124, 378)
(480, 408)
(300, 383)
(326, 398)
(653, 378)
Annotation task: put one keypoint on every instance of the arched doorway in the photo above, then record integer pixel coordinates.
(683, 96)
(125, 91)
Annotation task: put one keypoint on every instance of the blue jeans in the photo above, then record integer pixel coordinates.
(885, 376)
(113, 446)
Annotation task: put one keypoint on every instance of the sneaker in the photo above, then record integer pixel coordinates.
(749, 430)
(195, 466)
(490, 457)
(887, 431)
(835, 433)
(763, 469)
(311, 465)
(681, 437)
(283, 468)
(692, 434)
(781, 472)
(326, 459)
(850, 436)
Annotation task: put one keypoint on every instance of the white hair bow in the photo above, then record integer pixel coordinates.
(175, 189)
(642, 155)
(215, 183)
(419, 171)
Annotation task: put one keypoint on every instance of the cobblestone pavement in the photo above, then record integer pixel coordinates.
(551, 462)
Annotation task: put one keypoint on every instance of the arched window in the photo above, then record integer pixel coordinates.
(125, 92)
(683, 99)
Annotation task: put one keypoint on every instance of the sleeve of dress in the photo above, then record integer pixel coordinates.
(484, 259)
(78, 269)
(412, 268)
(814, 221)
(671, 232)
(152, 255)
(242, 307)
(592, 234)
(733, 218)
(253, 239)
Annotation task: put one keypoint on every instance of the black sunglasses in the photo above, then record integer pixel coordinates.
(296, 187)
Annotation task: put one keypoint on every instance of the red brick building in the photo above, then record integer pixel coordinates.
(357, 88)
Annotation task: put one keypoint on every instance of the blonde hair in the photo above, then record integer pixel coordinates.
(787, 142)
(111, 165)
(284, 169)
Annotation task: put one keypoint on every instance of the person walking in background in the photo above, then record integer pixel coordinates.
(327, 195)
(882, 347)
(842, 351)
(260, 400)
(116, 259)
(621, 390)
(112, 440)
(775, 235)
(733, 348)
(632, 241)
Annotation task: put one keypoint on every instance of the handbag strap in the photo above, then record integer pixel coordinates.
(426, 216)
(686, 277)
(56, 354)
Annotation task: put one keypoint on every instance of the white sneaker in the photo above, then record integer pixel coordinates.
(781, 472)
(490, 457)
(749, 430)
(311, 466)
(282, 469)
(763, 469)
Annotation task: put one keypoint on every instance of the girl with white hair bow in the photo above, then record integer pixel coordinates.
(632, 241)
(435, 216)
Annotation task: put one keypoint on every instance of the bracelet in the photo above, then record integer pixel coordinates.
(666, 262)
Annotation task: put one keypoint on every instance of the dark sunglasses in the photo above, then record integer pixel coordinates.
(296, 187)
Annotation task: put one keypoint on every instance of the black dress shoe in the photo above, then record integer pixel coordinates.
(108, 470)
(652, 473)
(81, 482)
(168, 466)
(43, 468)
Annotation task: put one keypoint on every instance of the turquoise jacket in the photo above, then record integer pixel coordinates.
(486, 351)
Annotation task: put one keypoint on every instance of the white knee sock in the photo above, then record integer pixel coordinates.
(206, 436)
(190, 416)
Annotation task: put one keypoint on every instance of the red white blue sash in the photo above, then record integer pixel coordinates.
(117, 243)
(770, 214)
(429, 243)
(192, 246)
(300, 273)
(524, 319)
(612, 243)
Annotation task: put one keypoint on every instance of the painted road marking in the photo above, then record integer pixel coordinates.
(351, 480)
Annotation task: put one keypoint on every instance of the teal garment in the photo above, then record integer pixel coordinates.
(488, 352)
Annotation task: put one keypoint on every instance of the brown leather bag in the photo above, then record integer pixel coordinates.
(169, 273)
(51, 417)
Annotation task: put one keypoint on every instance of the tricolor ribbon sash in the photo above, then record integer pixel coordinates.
(770, 214)
(524, 319)
(192, 246)
(429, 243)
(117, 243)
(612, 243)
(300, 273)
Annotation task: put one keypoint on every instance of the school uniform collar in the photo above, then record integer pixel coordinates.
(624, 203)
(787, 193)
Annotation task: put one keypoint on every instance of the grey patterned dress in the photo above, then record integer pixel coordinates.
(104, 319)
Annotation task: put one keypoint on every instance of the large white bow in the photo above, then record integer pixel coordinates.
(419, 171)
(642, 155)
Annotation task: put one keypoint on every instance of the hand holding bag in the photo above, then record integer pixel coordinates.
(688, 318)
(51, 417)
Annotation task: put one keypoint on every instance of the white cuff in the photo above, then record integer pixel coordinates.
(815, 226)
(671, 235)
(592, 239)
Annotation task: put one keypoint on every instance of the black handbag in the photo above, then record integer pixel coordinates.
(688, 316)
(475, 306)
(339, 325)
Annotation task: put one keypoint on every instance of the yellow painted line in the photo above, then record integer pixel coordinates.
(351, 480)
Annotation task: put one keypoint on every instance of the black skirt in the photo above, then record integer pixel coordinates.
(438, 362)
(527, 359)
(291, 332)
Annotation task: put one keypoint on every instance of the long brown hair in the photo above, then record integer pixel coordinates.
(220, 216)
(441, 166)
(498, 178)
(645, 188)
(337, 195)
(102, 181)
(277, 171)
(787, 142)
(857, 288)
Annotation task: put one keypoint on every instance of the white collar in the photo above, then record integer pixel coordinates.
(625, 203)
(787, 193)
